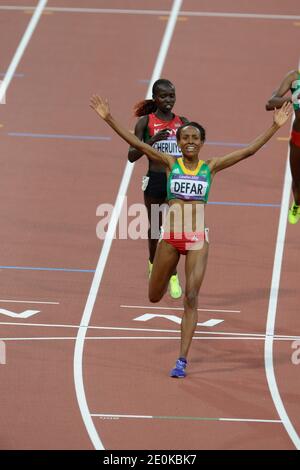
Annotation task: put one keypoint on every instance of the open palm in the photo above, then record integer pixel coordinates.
(101, 106)
(281, 115)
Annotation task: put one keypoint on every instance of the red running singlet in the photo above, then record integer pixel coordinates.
(170, 144)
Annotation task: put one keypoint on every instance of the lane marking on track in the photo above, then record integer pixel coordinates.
(157, 12)
(28, 302)
(187, 418)
(155, 330)
(179, 308)
(58, 136)
(272, 308)
(16, 75)
(180, 18)
(149, 316)
(46, 12)
(32, 268)
(21, 48)
(97, 137)
(226, 144)
(25, 314)
(254, 16)
(88, 310)
(143, 338)
(241, 204)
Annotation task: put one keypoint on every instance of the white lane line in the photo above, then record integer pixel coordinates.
(188, 418)
(28, 302)
(179, 308)
(153, 330)
(88, 310)
(118, 328)
(21, 48)
(200, 338)
(254, 16)
(120, 11)
(105, 415)
(272, 308)
(247, 420)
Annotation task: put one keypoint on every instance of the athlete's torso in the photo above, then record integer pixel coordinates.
(169, 145)
(189, 185)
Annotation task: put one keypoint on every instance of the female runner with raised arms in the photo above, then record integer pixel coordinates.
(189, 182)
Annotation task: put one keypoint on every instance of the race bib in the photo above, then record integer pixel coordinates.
(168, 146)
(188, 187)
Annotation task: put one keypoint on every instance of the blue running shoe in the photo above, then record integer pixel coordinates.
(179, 369)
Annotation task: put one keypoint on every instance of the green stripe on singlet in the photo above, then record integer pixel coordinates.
(295, 92)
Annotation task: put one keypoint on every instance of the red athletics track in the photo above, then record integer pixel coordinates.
(51, 189)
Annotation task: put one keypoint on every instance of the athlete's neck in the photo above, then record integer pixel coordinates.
(164, 116)
(190, 164)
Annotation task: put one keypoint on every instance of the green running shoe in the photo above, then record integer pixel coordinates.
(294, 214)
(174, 286)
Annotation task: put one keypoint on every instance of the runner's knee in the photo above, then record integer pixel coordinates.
(155, 297)
(191, 298)
(155, 294)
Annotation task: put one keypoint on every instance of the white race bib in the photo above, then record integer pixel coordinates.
(188, 187)
(168, 146)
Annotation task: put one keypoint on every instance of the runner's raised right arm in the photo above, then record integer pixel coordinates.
(101, 107)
